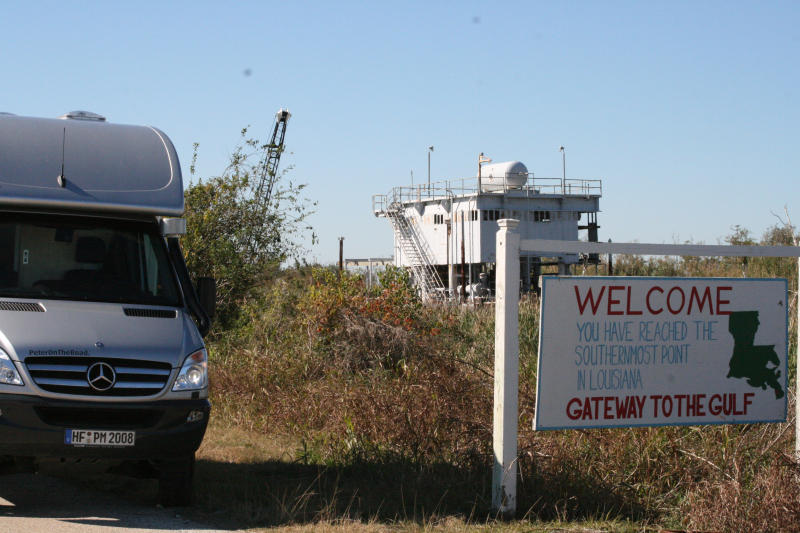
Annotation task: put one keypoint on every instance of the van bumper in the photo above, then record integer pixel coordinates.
(36, 427)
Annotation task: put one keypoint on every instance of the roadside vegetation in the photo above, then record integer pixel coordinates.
(339, 404)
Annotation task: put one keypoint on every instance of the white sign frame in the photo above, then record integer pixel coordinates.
(506, 386)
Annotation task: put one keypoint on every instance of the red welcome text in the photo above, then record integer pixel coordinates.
(620, 300)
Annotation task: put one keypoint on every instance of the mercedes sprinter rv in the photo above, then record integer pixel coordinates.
(101, 329)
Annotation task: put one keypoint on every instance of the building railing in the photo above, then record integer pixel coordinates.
(442, 190)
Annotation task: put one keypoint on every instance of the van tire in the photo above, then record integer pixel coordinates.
(175, 482)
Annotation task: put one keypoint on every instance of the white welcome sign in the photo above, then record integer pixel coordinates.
(617, 351)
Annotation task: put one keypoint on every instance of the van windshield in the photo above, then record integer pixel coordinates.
(91, 259)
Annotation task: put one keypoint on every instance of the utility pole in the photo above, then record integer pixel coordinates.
(341, 254)
(449, 266)
(430, 149)
(463, 265)
(563, 170)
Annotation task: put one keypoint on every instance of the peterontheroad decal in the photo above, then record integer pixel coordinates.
(58, 351)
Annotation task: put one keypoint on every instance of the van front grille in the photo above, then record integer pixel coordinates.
(70, 375)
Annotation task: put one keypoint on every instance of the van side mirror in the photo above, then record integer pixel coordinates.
(207, 294)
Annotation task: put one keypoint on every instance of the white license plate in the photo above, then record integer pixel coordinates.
(94, 437)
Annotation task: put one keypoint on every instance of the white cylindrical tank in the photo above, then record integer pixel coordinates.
(501, 176)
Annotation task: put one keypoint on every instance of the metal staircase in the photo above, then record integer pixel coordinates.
(423, 272)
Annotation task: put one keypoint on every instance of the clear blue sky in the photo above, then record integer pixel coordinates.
(688, 111)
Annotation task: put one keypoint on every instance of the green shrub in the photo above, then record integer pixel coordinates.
(234, 237)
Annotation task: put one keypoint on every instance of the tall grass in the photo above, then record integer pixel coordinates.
(371, 381)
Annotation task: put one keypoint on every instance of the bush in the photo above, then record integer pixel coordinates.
(233, 236)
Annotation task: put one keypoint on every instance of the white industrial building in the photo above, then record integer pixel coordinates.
(433, 223)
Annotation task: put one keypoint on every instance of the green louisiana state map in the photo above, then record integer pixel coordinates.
(757, 364)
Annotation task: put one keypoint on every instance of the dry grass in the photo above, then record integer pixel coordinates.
(253, 481)
(383, 409)
(768, 502)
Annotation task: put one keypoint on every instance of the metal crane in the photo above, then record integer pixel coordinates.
(274, 150)
(263, 192)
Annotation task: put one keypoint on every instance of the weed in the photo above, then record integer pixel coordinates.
(389, 404)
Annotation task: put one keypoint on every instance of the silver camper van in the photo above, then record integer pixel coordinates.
(101, 328)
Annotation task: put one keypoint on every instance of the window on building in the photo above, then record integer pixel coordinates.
(541, 216)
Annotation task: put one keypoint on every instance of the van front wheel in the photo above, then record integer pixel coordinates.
(175, 482)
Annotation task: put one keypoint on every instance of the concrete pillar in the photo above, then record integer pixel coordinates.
(506, 370)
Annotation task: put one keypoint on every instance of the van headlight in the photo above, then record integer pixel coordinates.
(194, 372)
(8, 372)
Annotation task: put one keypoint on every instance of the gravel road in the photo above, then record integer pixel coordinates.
(34, 503)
